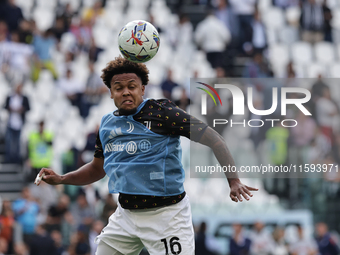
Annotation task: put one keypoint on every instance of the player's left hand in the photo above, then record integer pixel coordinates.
(237, 190)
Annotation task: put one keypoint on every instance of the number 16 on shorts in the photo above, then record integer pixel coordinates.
(174, 245)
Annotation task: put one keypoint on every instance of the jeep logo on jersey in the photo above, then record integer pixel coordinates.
(144, 145)
(131, 147)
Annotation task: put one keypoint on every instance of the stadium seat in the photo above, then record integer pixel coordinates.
(50, 4)
(324, 52)
(315, 69)
(139, 4)
(273, 18)
(301, 52)
(278, 54)
(300, 70)
(67, 42)
(288, 35)
(26, 7)
(335, 22)
(88, 3)
(293, 16)
(334, 70)
(272, 37)
(264, 5)
(44, 18)
(102, 35)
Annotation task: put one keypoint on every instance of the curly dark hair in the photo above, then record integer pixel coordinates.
(121, 65)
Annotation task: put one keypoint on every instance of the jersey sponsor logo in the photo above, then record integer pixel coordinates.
(144, 145)
(110, 147)
(131, 127)
(131, 147)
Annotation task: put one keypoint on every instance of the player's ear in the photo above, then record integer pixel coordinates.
(111, 94)
(143, 90)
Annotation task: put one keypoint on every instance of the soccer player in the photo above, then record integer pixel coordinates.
(138, 147)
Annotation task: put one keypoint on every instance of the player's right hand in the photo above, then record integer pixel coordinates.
(50, 177)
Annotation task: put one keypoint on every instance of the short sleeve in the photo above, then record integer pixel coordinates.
(98, 153)
(179, 122)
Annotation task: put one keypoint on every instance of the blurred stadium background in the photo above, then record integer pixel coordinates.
(51, 56)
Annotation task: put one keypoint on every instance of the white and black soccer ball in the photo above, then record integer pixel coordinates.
(138, 41)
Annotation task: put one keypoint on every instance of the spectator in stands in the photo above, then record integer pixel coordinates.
(7, 225)
(67, 228)
(18, 65)
(96, 229)
(46, 196)
(184, 101)
(17, 105)
(316, 94)
(303, 246)
(212, 36)
(83, 34)
(327, 13)
(3, 246)
(59, 28)
(21, 249)
(261, 240)
(93, 198)
(3, 31)
(90, 14)
(82, 212)
(79, 244)
(184, 35)
(12, 14)
(66, 13)
(40, 150)
(326, 243)
(202, 246)
(257, 67)
(94, 51)
(239, 243)
(91, 140)
(72, 88)
(168, 85)
(227, 15)
(259, 40)
(25, 32)
(326, 111)
(301, 136)
(277, 138)
(43, 46)
(286, 3)
(245, 12)
(109, 208)
(56, 213)
(279, 245)
(94, 91)
(41, 242)
(67, 64)
(58, 242)
(312, 21)
(26, 212)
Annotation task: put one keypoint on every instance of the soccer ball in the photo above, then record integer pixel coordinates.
(138, 41)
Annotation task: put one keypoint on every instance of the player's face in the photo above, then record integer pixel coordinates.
(127, 92)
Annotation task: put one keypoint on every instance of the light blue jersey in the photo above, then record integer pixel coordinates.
(139, 161)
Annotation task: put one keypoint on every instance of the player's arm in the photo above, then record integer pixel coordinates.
(217, 143)
(89, 173)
